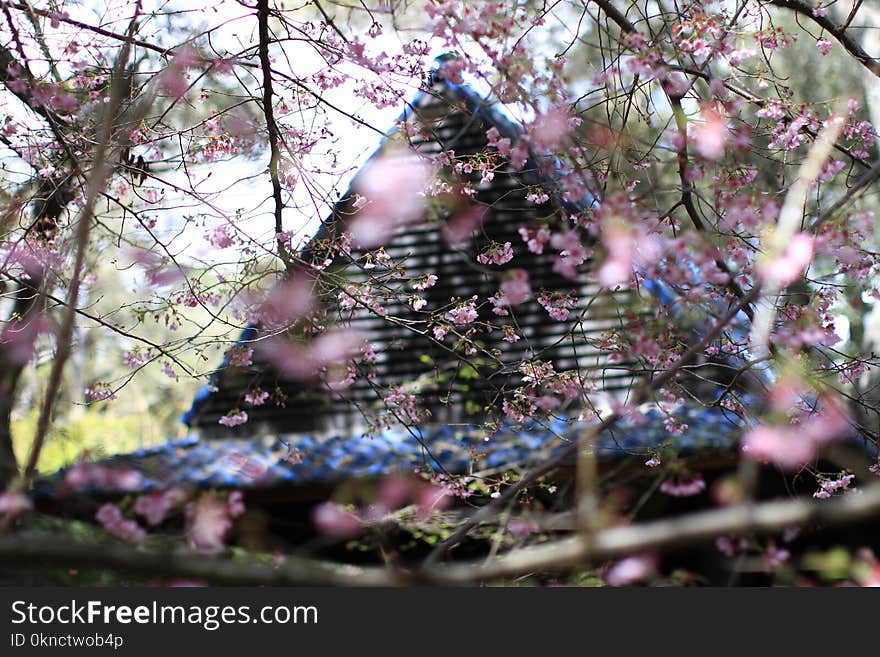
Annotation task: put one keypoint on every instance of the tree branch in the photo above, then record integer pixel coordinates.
(268, 112)
(765, 518)
(46, 550)
(837, 31)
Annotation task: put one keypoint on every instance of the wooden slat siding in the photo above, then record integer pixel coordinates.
(569, 345)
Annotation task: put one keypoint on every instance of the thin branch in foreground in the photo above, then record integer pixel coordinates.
(765, 518)
(45, 549)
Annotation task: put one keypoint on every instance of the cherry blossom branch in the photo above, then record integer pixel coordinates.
(687, 194)
(272, 127)
(837, 31)
(67, 20)
(790, 221)
(101, 169)
(640, 395)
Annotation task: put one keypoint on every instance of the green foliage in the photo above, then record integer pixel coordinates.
(94, 432)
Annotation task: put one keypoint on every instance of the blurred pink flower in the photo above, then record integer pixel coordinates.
(333, 520)
(550, 129)
(306, 361)
(235, 503)
(775, 556)
(795, 445)
(13, 504)
(631, 570)
(174, 78)
(394, 188)
(572, 253)
(783, 445)
(783, 270)
(710, 137)
(154, 507)
(624, 247)
(288, 300)
(18, 339)
(94, 475)
(516, 288)
(459, 230)
(111, 519)
(208, 522)
(684, 486)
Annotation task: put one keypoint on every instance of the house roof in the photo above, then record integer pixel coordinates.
(264, 461)
(478, 106)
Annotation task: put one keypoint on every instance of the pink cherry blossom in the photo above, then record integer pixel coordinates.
(496, 254)
(208, 523)
(572, 253)
(632, 570)
(111, 519)
(535, 240)
(828, 487)
(394, 188)
(333, 520)
(464, 313)
(233, 418)
(154, 507)
(711, 136)
(425, 282)
(557, 305)
(516, 288)
(256, 398)
(783, 270)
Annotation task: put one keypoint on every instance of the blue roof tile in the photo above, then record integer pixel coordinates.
(260, 462)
